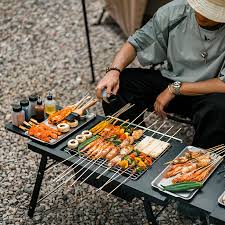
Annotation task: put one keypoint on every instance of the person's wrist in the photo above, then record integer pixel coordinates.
(170, 89)
(115, 69)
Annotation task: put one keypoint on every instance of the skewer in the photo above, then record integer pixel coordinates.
(99, 127)
(144, 120)
(215, 147)
(81, 168)
(27, 124)
(123, 122)
(34, 121)
(85, 171)
(173, 135)
(154, 132)
(92, 172)
(67, 171)
(86, 96)
(23, 128)
(137, 117)
(108, 168)
(83, 105)
(163, 135)
(60, 162)
(161, 143)
(56, 188)
(113, 178)
(206, 152)
(120, 184)
(109, 180)
(123, 111)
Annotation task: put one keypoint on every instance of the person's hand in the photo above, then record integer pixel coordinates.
(111, 82)
(162, 101)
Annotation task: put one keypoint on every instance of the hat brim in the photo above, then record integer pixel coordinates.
(209, 10)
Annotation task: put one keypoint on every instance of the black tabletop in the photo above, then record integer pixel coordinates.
(205, 199)
(218, 213)
(141, 187)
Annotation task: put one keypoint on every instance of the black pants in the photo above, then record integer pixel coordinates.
(142, 86)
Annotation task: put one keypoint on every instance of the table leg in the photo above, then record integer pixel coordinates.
(148, 210)
(204, 218)
(88, 39)
(37, 186)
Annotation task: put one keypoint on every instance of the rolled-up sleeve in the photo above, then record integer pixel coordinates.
(151, 40)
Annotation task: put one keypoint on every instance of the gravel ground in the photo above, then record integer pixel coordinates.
(43, 47)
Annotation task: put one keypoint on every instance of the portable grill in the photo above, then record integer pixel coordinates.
(117, 170)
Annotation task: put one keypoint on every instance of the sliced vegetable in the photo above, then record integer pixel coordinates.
(148, 161)
(123, 164)
(184, 186)
(87, 142)
(138, 169)
(142, 165)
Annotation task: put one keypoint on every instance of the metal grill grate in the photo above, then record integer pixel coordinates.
(128, 172)
(103, 163)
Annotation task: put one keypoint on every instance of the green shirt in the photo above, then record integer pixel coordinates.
(173, 35)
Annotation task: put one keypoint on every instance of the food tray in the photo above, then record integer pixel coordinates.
(220, 199)
(103, 164)
(187, 195)
(82, 122)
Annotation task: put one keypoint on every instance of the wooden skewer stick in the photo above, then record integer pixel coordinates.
(102, 127)
(144, 120)
(60, 162)
(120, 184)
(137, 117)
(92, 172)
(192, 160)
(84, 102)
(85, 171)
(109, 180)
(34, 121)
(113, 178)
(23, 128)
(155, 132)
(56, 188)
(215, 147)
(68, 170)
(107, 169)
(99, 127)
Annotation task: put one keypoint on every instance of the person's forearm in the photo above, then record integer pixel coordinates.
(214, 85)
(125, 56)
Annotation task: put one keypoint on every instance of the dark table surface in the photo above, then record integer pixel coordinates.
(205, 199)
(141, 187)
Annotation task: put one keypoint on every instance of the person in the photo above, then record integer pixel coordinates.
(188, 38)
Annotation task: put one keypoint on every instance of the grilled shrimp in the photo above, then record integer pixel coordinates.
(115, 160)
(104, 152)
(113, 153)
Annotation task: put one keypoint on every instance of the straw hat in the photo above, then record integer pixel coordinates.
(211, 9)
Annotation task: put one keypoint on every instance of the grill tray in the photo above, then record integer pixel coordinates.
(103, 163)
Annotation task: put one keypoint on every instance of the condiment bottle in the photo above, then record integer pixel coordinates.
(50, 104)
(33, 103)
(39, 111)
(25, 107)
(18, 115)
